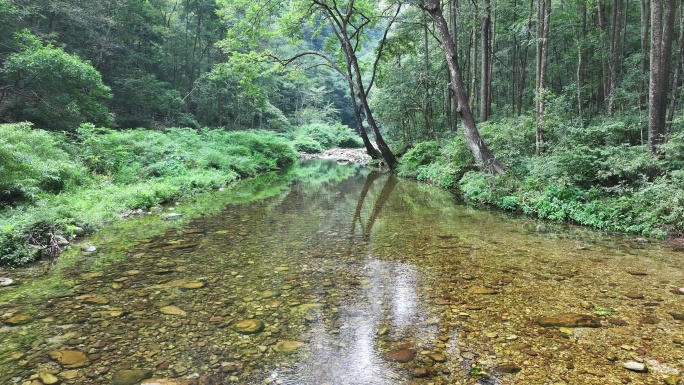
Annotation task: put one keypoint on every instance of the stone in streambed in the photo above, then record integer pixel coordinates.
(130, 376)
(509, 368)
(172, 310)
(634, 295)
(94, 299)
(677, 316)
(401, 355)
(193, 285)
(287, 347)
(18, 320)
(48, 378)
(635, 366)
(250, 326)
(482, 290)
(168, 381)
(570, 320)
(437, 357)
(69, 358)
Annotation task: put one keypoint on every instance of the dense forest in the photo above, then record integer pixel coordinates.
(566, 110)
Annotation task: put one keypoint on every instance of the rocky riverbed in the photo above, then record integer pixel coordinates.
(343, 155)
(357, 283)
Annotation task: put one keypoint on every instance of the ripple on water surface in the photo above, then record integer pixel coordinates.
(354, 277)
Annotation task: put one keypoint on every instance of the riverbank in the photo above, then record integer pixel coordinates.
(57, 188)
(591, 176)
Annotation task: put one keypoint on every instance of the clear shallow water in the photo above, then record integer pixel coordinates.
(356, 272)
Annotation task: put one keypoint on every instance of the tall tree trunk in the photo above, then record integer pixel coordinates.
(543, 21)
(483, 156)
(662, 30)
(485, 78)
(453, 8)
(677, 73)
(645, 24)
(473, 60)
(370, 150)
(613, 61)
(524, 60)
(387, 154)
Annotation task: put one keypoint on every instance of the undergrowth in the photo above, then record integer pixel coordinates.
(600, 176)
(51, 184)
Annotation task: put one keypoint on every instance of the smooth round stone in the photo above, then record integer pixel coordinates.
(193, 285)
(172, 310)
(130, 376)
(287, 347)
(95, 300)
(635, 366)
(69, 358)
(482, 290)
(401, 355)
(249, 326)
(437, 357)
(48, 379)
(19, 320)
(4, 281)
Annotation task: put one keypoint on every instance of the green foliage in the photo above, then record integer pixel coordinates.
(133, 169)
(33, 163)
(598, 176)
(604, 311)
(443, 166)
(136, 155)
(316, 137)
(55, 90)
(422, 154)
(144, 101)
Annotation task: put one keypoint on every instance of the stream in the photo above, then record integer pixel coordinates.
(349, 276)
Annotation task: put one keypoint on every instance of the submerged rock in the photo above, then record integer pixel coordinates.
(482, 290)
(18, 320)
(130, 376)
(48, 378)
(570, 320)
(401, 355)
(250, 326)
(635, 366)
(168, 381)
(70, 359)
(172, 310)
(509, 368)
(287, 347)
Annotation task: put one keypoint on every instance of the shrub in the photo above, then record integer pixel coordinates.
(317, 137)
(34, 163)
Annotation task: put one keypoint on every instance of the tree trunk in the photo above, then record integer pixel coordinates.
(543, 21)
(677, 74)
(485, 78)
(645, 23)
(370, 150)
(662, 23)
(613, 61)
(483, 156)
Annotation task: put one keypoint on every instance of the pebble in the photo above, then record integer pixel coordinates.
(635, 366)
(172, 310)
(48, 379)
(130, 376)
